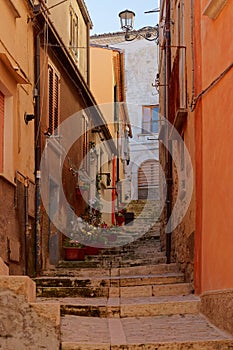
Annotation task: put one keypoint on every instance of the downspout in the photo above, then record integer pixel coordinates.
(26, 185)
(88, 54)
(37, 158)
(113, 188)
(192, 49)
(169, 142)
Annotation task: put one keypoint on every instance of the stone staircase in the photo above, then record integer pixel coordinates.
(24, 322)
(128, 298)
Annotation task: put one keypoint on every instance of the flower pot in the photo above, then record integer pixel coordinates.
(74, 253)
(92, 250)
(120, 220)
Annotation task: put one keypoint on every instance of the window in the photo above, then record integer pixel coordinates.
(150, 119)
(74, 32)
(2, 112)
(53, 100)
(148, 180)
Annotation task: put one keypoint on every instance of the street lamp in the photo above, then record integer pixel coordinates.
(127, 22)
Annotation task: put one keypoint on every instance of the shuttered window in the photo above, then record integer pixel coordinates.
(53, 100)
(2, 112)
(74, 32)
(150, 119)
(148, 179)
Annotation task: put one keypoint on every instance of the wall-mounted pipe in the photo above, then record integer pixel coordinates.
(169, 142)
(37, 158)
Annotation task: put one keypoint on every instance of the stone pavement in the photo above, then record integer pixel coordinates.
(128, 298)
(163, 332)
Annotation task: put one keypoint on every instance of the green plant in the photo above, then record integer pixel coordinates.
(121, 212)
(68, 242)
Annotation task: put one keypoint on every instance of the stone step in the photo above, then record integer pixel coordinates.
(100, 287)
(125, 257)
(114, 262)
(111, 281)
(123, 271)
(175, 332)
(138, 262)
(128, 307)
(132, 291)
(153, 290)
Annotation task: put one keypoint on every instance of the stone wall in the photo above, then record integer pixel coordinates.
(183, 236)
(25, 324)
(218, 307)
(15, 243)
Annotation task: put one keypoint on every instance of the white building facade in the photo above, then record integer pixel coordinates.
(141, 67)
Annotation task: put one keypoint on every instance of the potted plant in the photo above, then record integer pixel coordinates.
(73, 250)
(120, 216)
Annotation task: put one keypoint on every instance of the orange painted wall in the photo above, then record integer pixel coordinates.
(1, 129)
(214, 129)
(102, 78)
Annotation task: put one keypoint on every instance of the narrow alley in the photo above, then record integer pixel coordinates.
(116, 184)
(129, 298)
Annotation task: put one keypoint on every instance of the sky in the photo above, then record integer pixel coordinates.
(104, 14)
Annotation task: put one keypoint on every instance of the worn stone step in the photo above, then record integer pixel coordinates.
(139, 262)
(123, 271)
(62, 292)
(153, 290)
(110, 281)
(176, 332)
(133, 291)
(100, 287)
(114, 262)
(129, 307)
(126, 257)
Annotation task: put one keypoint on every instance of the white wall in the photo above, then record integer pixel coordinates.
(141, 66)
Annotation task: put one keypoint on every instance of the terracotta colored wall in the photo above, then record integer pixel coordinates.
(17, 138)
(102, 79)
(181, 85)
(70, 103)
(2, 102)
(214, 114)
(60, 16)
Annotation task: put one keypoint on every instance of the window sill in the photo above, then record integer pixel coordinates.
(148, 134)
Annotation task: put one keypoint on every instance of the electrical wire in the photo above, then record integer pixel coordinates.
(209, 87)
(49, 8)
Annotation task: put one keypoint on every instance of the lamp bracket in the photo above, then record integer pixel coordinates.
(28, 117)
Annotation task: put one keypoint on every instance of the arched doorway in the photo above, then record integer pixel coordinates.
(148, 180)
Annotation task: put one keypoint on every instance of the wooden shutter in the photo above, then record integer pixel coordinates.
(53, 100)
(50, 96)
(56, 103)
(148, 179)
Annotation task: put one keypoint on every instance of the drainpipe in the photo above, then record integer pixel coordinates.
(113, 188)
(37, 158)
(88, 54)
(192, 48)
(26, 185)
(169, 142)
